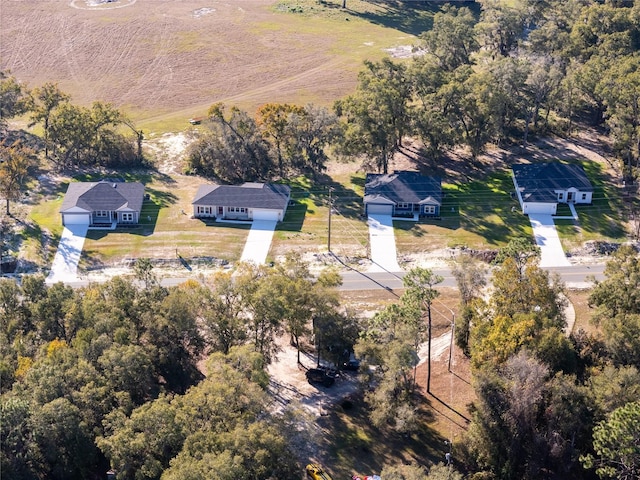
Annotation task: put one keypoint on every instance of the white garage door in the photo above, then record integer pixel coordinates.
(265, 215)
(76, 219)
(372, 209)
(533, 207)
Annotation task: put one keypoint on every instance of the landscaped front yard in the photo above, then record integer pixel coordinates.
(480, 214)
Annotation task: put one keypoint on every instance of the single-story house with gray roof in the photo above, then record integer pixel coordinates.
(249, 201)
(402, 193)
(102, 204)
(541, 186)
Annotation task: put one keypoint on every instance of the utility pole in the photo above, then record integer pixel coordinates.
(330, 209)
(453, 332)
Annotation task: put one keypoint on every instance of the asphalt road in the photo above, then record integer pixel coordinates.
(574, 276)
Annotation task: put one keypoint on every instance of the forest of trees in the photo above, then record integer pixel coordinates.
(107, 374)
(516, 71)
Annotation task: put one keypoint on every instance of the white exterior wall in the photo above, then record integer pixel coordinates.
(213, 211)
(588, 197)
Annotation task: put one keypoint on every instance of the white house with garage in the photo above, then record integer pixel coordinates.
(402, 194)
(249, 201)
(103, 204)
(541, 186)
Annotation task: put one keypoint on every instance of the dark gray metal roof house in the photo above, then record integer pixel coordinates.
(541, 186)
(402, 193)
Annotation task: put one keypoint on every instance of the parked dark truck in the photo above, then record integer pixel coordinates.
(322, 376)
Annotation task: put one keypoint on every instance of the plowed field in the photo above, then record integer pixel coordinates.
(163, 60)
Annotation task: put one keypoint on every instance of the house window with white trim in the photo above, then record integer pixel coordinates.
(403, 206)
(584, 196)
(126, 217)
(204, 210)
(560, 196)
(237, 210)
(101, 213)
(430, 209)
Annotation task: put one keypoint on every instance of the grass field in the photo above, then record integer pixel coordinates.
(182, 57)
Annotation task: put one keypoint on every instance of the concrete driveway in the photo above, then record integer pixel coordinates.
(65, 264)
(546, 235)
(383, 244)
(259, 241)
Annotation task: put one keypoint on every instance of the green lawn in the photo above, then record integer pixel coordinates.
(478, 214)
(602, 220)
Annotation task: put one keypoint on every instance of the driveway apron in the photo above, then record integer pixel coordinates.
(65, 262)
(546, 235)
(258, 241)
(383, 244)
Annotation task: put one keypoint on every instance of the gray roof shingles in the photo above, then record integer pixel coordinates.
(249, 195)
(109, 196)
(402, 187)
(538, 182)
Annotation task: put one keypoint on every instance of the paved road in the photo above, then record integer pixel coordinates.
(575, 276)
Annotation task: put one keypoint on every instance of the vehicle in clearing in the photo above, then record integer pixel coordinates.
(352, 363)
(315, 472)
(322, 376)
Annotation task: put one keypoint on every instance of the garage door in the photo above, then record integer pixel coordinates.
(534, 207)
(76, 219)
(265, 215)
(372, 209)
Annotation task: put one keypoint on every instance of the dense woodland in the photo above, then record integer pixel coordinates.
(107, 375)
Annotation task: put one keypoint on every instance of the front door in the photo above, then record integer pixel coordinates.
(569, 197)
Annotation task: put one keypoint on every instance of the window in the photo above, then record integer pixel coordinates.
(430, 209)
(101, 213)
(560, 196)
(237, 210)
(584, 196)
(204, 210)
(126, 217)
(403, 206)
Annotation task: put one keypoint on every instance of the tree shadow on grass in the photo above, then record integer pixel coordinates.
(346, 201)
(294, 218)
(409, 17)
(354, 442)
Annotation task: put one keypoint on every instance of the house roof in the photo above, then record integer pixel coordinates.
(111, 196)
(402, 187)
(248, 195)
(538, 182)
